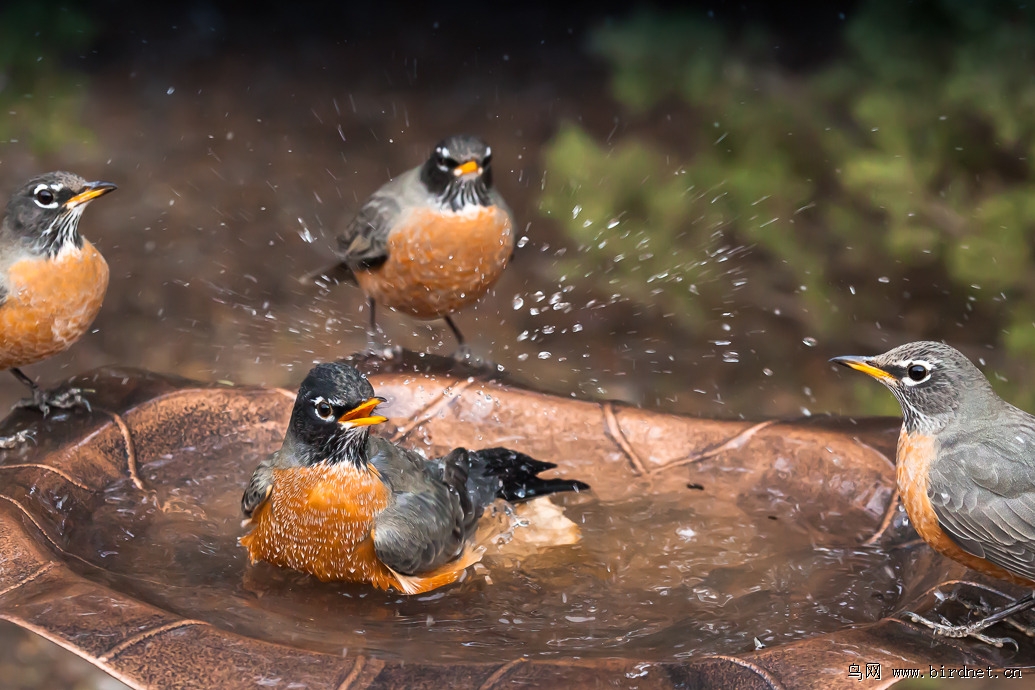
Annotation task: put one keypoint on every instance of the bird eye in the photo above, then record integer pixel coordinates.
(487, 161)
(443, 160)
(324, 410)
(45, 197)
(917, 372)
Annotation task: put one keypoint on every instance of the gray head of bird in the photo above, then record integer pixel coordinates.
(44, 213)
(935, 384)
(459, 172)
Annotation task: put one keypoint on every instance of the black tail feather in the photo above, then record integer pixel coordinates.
(329, 275)
(516, 474)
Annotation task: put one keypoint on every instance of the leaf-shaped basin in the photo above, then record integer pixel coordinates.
(724, 553)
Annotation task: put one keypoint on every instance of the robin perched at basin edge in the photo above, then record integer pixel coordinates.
(965, 468)
(342, 505)
(434, 239)
(52, 281)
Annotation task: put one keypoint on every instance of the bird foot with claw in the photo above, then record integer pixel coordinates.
(66, 399)
(946, 629)
(982, 609)
(16, 439)
(385, 353)
(464, 355)
(482, 365)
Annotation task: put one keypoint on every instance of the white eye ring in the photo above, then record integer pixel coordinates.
(442, 155)
(919, 364)
(323, 409)
(53, 193)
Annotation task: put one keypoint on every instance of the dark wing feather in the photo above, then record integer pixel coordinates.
(259, 486)
(363, 242)
(423, 527)
(419, 532)
(982, 488)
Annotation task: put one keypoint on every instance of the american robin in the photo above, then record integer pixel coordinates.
(52, 281)
(965, 468)
(340, 504)
(432, 240)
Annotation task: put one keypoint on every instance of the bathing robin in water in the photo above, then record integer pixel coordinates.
(965, 466)
(434, 239)
(52, 281)
(342, 505)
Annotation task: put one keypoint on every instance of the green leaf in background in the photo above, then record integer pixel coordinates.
(906, 157)
(40, 95)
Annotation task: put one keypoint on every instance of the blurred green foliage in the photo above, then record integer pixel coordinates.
(904, 161)
(40, 96)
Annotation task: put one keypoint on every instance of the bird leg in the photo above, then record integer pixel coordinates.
(975, 629)
(463, 352)
(42, 400)
(377, 346)
(375, 330)
(16, 439)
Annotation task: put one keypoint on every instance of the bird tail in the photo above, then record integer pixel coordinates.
(329, 275)
(516, 475)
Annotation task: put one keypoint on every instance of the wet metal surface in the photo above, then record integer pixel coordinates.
(698, 538)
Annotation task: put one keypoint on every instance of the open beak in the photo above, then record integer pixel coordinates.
(467, 168)
(90, 192)
(360, 415)
(863, 364)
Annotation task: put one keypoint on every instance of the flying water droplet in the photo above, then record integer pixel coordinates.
(304, 233)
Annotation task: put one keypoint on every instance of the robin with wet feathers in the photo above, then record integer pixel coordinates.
(52, 280)
(341, 504)
(965, 468)
(432, 240)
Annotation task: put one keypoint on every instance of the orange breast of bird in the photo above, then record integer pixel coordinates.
(915, 452)
(50, 304)
(440, 262)
(318, 520)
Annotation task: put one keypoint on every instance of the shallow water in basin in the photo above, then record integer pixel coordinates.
(657, 577)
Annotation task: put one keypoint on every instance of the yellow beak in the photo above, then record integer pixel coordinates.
(360, 415)
(90, 192)
(467, 168)
(862, 364)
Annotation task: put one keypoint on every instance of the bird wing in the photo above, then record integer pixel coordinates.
(363, 244)
(497, 200)
(259, 487)
(423, 526)
(261, 483)
(982, 488)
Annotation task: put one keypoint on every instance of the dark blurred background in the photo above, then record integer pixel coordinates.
(716, 197)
